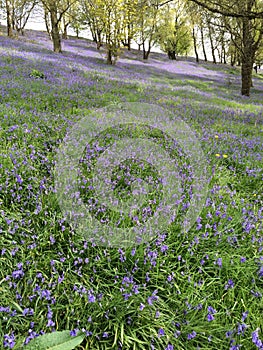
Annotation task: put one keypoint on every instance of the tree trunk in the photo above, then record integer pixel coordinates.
(99, 40)
(219, 53)
(224, 55)
(47, 22)
(129, 43)
(203, 43)
(93, 34)
(233, 57)
(212, 44)
(247, 58)
(246, 75)
(56, 39)
(223, 51)
(55, 30)
(65, 31)
(13, 17)
(109, 57)
(9, 18)
(129, 35)
(146, 53)
(171, 55)
(195, 46)
(213, 54)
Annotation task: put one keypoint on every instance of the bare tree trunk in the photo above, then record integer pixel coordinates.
(223, 49)
(171, 55)
(212, 44)
(224, 55)
(219, 53)
(146, 53)
(65, 28)
(129, 43)
(93, 34)
(109, 57)
(55, 30)
(65, 31)
(13, 17)
(47, 22)
(195, 45)
(99, 39)
(246, 73)
(247, 58)
(233, 57)
(129, 37)
(56, 39)
(9, 18)
(203, 43)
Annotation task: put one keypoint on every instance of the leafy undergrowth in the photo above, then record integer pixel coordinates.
(196, 290)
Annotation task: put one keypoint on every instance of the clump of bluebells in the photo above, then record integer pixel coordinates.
(194, 290)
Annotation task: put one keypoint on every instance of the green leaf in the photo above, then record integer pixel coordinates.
(17, 307)
(55, 341)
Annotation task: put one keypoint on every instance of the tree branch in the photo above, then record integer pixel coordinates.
(225, 12)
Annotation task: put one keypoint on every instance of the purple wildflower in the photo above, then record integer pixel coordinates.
(230, 284)
(161, 332)
(191, 335)
(9, 340)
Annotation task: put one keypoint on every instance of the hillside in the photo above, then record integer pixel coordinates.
(199, 288)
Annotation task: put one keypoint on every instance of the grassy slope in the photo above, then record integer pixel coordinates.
(43, 266)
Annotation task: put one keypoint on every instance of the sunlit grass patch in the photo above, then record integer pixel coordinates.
(200, 85)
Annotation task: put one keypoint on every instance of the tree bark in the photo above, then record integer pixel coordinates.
(203, 43)
(47, 22)
(13, 17)
(56, 38)
(223, 50)
(212, 44)
(171, 55)
(224, 55)
(9, 18)
(129, 37)
(146, 53)
(55, 30)
(99, 39)
(195, 45)
(109, 57)
(233, 58)
(129, 43)
(247, 58)
(65, 30)
(246, 73)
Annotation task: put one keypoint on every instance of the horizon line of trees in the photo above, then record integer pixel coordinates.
(234, 30)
